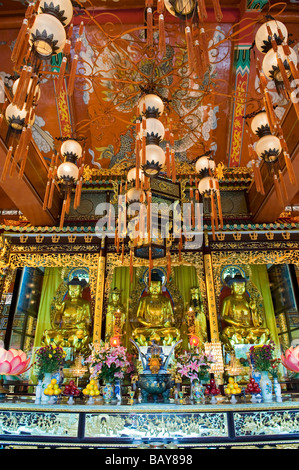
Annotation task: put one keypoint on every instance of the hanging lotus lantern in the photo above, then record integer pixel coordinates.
(208, 187)
(67, 175)
(280, 60)
(12, 363)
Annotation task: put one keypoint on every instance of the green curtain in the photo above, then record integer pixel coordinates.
(51, 282)
(185, 277)
(261, 279)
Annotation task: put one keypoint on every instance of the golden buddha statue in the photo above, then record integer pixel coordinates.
(244, 325)
(200, 321)
(155, 315)
(71, 322)
(115, 316)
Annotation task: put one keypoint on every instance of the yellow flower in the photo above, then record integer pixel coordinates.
(50, 355)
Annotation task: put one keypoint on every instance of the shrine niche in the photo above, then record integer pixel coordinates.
(134, 301)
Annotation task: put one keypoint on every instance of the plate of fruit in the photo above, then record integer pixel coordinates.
(232, 389)
(253, 389)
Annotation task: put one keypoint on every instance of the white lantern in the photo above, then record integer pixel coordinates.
(47, 36)
(155, 159)
(154, 127)
(270, 65)
(153, 105)
(68, 170)
(71, 147)
(260, 124)
(180, 8)
(135, 195)
(204, 163)
(16, 117)
(268, 148)
(61, 9)
(262, 41)
(131, 176)
(37, 88)
(206, 185)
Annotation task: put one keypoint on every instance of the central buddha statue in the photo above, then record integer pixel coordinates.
(155, 317)
(243, 323)
(71, 322)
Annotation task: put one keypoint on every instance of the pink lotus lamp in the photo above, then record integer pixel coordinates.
(291, 359)
(12, 362)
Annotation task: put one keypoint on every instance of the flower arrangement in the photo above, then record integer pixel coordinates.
(107, 362)
(194, 364)
(262, 357)
(49, 358)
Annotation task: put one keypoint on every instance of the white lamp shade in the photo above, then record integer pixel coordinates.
(16, 117)
(204, 186)
(155, 154)
(267, 143)
(270, 62)
(64, 9)
(68, 170)
(155, 127)
(135, 195)
(259, 121)
(41, 35)
(151, 101)
(131, 176)
(71, 146)
(262, 33)
(37, 88)
(204, 163)
(182, 7)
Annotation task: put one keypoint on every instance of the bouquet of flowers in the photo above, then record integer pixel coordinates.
(107, 362)
(49, 358)
(262, 357)
(194, 364)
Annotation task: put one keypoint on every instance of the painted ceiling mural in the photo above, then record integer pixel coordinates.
(116, 66)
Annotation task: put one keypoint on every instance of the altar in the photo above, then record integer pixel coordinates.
(27, 425)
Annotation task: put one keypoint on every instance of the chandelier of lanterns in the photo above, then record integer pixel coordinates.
(278, 65)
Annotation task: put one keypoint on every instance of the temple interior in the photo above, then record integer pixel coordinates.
(149, 224)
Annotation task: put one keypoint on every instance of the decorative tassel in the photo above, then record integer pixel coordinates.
(68, 202)
(204, 47)
(61, 76)
(283, 73)
(162, 41)
(168, 265)
(167, 154)
(283, 186)
(62, 214)
(23, 163)
(218, 195)
(122, 252)
(72, 75)
(149, 201)
(150, 265)
(25, 51)
(131, 265)
(32, 95)
(202, 11)
(173, 166)
(217, 10)
(160, 6)
(137, 182)
(290, 168)
(278, 191)
(149, 21)
(198, 61)
(46, 195)
(189, 48)
(199, 224)
(6, 163)
(20, 40)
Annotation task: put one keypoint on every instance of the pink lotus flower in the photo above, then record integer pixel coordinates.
(291, 359)
(13, 362)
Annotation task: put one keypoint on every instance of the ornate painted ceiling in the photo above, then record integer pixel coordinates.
(116, 66)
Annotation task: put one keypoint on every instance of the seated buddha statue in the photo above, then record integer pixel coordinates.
(155, 317)
(243, 323)
(71, 322)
